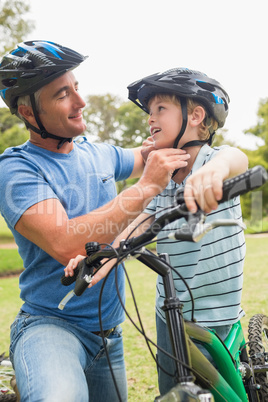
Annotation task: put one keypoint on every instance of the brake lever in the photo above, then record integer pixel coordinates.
(201, 228)
(83, 277)
(187, 230)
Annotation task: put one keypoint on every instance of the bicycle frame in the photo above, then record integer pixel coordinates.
(227, 378)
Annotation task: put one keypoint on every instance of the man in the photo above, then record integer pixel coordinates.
(56, 195)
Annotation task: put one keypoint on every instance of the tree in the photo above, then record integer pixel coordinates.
(13, 28)
(13, 24)
(12, 130)
(111, 120)
(256, 212)
(261, 129)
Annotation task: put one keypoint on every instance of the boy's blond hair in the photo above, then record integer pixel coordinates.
(206, 126)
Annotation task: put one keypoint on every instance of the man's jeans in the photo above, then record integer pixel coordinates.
(165, 381)
(57, 361)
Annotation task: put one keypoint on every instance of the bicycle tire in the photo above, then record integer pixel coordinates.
(258, 344)
(8, 398)
(7, 378)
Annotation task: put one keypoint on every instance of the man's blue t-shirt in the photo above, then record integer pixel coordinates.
(82, 180)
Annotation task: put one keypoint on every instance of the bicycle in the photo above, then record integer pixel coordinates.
(239, 376)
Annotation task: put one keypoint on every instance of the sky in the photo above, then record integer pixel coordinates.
(127, 40)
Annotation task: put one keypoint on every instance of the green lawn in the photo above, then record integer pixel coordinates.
(141, 371)
(5, 233)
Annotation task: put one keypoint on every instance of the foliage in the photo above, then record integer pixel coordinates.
(13, 27)
(255, 204)
(12, 130)
(13, 24)
(133, 125)
(261, 128)
(111, 120)
(100, 115)
(220, 138)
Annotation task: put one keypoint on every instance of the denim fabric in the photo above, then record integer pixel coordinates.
(165, 381)
(56, 361)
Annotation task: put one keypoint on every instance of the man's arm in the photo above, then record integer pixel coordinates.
(47, 224)
(205, 185)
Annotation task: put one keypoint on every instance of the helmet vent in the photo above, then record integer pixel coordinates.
(9, 82)
(206, 85)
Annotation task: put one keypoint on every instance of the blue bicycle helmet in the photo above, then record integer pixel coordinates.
(31, 66)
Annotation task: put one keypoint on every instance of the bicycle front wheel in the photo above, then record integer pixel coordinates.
(258, 350)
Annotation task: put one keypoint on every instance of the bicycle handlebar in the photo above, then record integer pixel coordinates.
(248, 181)
(238, 185)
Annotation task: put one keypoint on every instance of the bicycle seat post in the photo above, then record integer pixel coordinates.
(173, 311)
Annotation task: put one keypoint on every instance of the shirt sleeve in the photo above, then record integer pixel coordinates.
(124, 162)
(22, 185)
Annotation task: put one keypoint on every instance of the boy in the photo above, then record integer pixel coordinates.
(186, 107)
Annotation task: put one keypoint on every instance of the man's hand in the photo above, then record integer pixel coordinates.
(160, 166)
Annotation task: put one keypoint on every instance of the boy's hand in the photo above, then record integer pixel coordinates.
(147, 147)
(204, 188)
(73, 263)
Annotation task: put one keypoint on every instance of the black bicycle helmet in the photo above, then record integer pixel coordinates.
(184, 83)
(31, 66)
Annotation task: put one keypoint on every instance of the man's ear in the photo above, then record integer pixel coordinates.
(197, 116)
(26, 112)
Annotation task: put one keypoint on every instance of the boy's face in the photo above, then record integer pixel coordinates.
(165, 122)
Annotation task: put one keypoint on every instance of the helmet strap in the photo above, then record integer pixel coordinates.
(184, 121)
(42, 131)
(183, 128)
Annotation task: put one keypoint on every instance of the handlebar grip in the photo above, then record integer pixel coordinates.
(81, 273)
(68, 280)
(245, 182)
(238, 185)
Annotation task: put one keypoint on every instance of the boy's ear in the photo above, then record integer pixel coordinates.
(197, 116)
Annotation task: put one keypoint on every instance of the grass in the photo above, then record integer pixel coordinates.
(257, 226)
(141, 369)
(10, 261)
(254, 298)
(9, 305)
(5, 233)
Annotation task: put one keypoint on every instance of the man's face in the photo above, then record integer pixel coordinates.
(61, 107)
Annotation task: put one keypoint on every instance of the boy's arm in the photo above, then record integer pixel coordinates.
(204, 187)
(138, 163)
